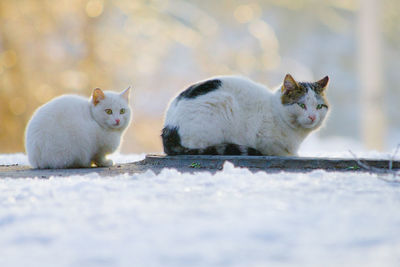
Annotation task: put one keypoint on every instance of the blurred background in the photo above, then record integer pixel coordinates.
(49, 48)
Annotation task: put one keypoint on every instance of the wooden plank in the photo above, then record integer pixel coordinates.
(268, 163)
(192, 164)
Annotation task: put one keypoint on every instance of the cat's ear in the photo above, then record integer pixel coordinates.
(322, 84)
(125, 94)
(97, 96)
(289, 84)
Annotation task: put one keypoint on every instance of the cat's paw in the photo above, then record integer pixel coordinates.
(105, 163)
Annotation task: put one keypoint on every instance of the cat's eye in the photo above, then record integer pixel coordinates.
(109, 111)
(303, 106)
(122, 111)
(321, 106)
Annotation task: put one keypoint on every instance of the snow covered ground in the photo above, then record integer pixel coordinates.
(231, 218)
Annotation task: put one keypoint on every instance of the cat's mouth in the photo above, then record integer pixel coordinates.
(115, 126)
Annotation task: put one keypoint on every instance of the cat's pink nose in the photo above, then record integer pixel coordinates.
(312, 118)
(117, 121)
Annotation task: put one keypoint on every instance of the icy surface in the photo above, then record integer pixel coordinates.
(231, 218)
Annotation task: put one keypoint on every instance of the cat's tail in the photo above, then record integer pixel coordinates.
(172, 146)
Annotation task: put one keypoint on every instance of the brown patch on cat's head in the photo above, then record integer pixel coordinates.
(97, 96)
(291, 90)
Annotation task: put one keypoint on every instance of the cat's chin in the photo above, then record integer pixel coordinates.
(116, 127)
(309, 126)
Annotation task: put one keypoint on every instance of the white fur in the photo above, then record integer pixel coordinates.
(70, 131)
(245, 113)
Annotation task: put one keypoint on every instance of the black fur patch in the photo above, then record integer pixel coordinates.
(200, 89)
(316, 87)
(172, 146)
(191, 152)
(171, 140)
(253, 152)
(232, 149)
(187, 151)
(211, 150)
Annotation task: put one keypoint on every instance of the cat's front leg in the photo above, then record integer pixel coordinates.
(101, 161)
(277, 149)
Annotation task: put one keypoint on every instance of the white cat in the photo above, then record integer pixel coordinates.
(235, 116)
(70, 131)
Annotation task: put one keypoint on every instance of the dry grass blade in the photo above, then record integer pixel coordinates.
(393, 156)
(395, 176)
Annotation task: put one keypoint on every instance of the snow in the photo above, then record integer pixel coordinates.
(14, 159)
(340, 147)
(231, 218)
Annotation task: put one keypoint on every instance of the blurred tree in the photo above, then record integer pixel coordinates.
(373, 118)
(12, 104)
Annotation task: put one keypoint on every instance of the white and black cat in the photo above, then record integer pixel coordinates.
(72, 131)
(232, 115)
